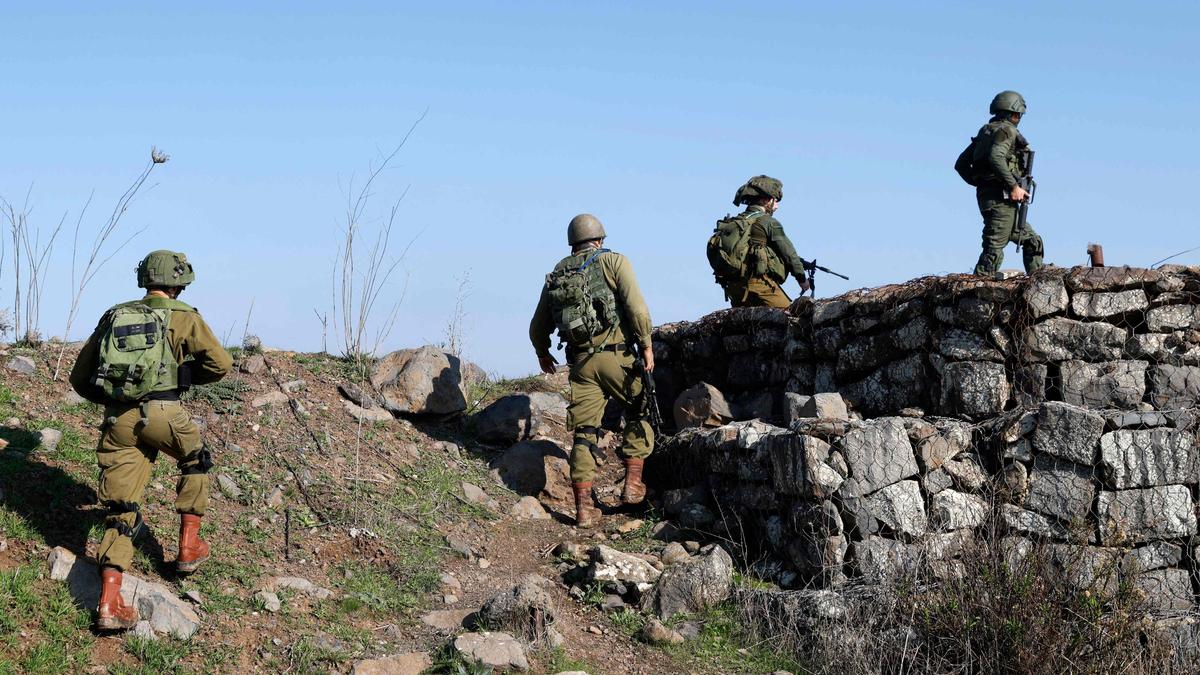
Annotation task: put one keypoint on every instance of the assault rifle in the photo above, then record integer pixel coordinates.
(811, 267)
(1028, 184)
(649, 404)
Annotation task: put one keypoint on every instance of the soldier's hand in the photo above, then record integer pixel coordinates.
(648, 359)
(804, 285)
(1018, 194)
(547, 364)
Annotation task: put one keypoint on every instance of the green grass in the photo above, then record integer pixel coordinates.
(337, 367)
(161, 655)
(72, 447)
(723, 645)
(224, 396)
(41, 629)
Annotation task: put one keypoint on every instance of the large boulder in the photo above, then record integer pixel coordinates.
(878, 455)
(1134, 516)
(973, 388)
(1060, 489)
(422, 381)
(526, 610)
(1116, 384)
(535, 469)
(692, 586)
(495, 650)
(1067, 431)
(702, 406)
(522, 417)
(166, 612)
(1148, 457)
(901, 508)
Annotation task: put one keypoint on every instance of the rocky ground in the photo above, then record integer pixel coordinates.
(385, 535)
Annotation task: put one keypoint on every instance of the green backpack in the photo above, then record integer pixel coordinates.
(581, 301)
(729, 247)
(135, 357)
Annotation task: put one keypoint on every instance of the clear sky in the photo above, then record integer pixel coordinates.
(648, 115)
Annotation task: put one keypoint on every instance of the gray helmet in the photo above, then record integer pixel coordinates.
(1008, 102)
(759, 186)
(164, 269)
(584, 227)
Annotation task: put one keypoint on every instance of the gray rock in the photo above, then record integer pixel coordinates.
(1019, 521)
(48, 439)
(696, 517)
(936, 481)
(161, 606)
(368, 415)
(1059, 339)
(675, 500)
(1178, 348)
(529, 508)
(879, 559)
(960, 345)
(475, 495)
(496, 650)
(1116, 384)
(973, 388)
(674, 552)
(793, 405)
(1135, 516)
(1172, 317)
(878, 455)
(1108, 305)
(1174, 386)
(299, 585)
(609, 564)
(1120, 419)
(536, 469)
(966, 472)
(269, 399)
(269, 600)
(951, 510)
(825, 406)
(1060, 489)
(692, 586)
(446, 620)
(253, 364)
(22, 364)
(229, 487)
(702, 406)
(422, 381)
(1045, 295)
(293, 386)
(829, 310)
(413, 663)
(1153, 556)
(70, 397)
(522, 417)
(526, 610)
(800, 468)
(1148, 457)
(901, 508)
(1067, 431)
(1166, 589)
(356, 395)
(1088, 569)
(460, 546)
(143, 631)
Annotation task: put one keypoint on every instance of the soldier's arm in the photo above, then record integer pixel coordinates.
(1002, 145)
(619, 274)
(783, 248)
(85, 369)
(541, 325)
(210, 360)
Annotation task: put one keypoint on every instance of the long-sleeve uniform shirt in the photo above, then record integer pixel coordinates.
(769, 232)
(634, 317)
(996, 154)
(188, 335)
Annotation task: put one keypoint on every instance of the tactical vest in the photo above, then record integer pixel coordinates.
(738, 250)
(135, 358)
(981, 146)
(581, 301)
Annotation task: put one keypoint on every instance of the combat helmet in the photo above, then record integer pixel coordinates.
(1008, 102)
(164, 269)
(584, 227)
(759, 186)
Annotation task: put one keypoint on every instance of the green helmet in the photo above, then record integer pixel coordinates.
(1008, 102)
(759, 186)
(584, 227)
(164, 269)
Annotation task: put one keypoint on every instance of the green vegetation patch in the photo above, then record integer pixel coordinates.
(41, 629)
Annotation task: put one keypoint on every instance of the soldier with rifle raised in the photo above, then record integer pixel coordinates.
(999, 163)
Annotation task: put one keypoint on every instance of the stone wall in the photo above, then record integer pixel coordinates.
(1056, 411)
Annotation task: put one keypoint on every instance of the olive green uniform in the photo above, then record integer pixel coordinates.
(996, 151)
(133, 434)
(767, 239)
(604, 368)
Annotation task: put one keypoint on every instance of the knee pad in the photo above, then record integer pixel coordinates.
(199, 461)
(587, 436)
(117, 509)
(1033, 244)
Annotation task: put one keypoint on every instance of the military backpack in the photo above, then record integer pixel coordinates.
(581, 301)
(735, 255)
(135, 358)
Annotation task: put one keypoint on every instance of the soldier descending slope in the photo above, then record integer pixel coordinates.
(749, 253)
(593, 299)
(997, 162)
(141, 357)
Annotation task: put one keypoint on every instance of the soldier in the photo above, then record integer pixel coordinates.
(992, 164)
(593, 299)
(141, 357)
(750, 254)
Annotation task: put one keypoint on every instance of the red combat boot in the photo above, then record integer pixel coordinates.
(586, 513)
(113, 614)
(635, 489)
(192, 549)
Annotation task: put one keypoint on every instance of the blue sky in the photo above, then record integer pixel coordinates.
(647, 114)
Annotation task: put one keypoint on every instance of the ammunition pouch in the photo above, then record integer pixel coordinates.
(116, 509)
